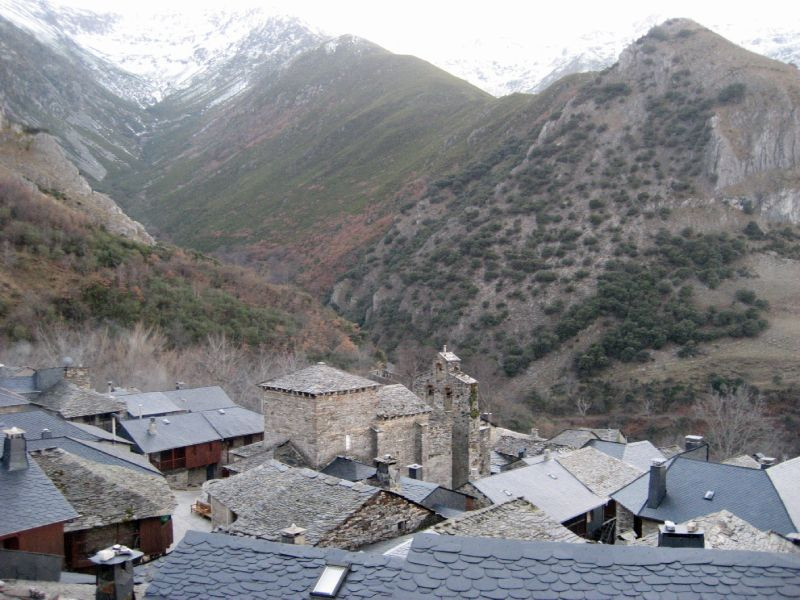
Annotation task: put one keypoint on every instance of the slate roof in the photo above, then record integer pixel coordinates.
(28, 499)
(182, 430)
(547, 485)
(577, 438)
(99, 452)
(101, 434)
(152, 403)
(637, 454)
(785, 477)
(258, 453)
(318, 380)
(209, 565)
(200, 399)
(510, 445)
(415, 490)
(398, 401)
(747, 493)
(233, 422)
(71, 401)
(347, 468)
(268, 443)
(104, 494)
(34, 421)
(10, 398)
(517, 519)
(272, 496)
(725, 531)
(460, 567)
(743, 460)
(601, 473)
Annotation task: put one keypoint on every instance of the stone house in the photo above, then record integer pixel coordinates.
(253, 455)
(32, 509)
(117, 505)
(326, 412)
(681, 489)
(265, 500)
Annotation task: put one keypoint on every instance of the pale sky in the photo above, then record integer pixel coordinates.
(423, 27)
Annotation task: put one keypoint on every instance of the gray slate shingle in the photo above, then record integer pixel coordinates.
(99, 452)
(234, 421)
(10, 398)
(397, 400)
(104, 494)
(601, 473)
(28, 499)
(347, 468)
(208, 565)
(34, 421)
(179, 430)
(785, 477)
(747, 493)
(71, 401)
(459, 567)
(319, 379)
(272, 496)
(200, 399)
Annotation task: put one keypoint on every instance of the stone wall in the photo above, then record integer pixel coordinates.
(291, 416)
(383, 517)
(342, 415)
(400, 437)
(439, 466)
(220, 514)
(649, 527)
(624, 519)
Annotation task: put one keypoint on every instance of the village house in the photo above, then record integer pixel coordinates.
(179, 400)
(266, 500)
(552, 488)
(244, 458)
(192, 447)
(32, 509)
(11, 402)
(724, 531)
(116, 505)
(681, 489)
(209, 565)
(326, 412)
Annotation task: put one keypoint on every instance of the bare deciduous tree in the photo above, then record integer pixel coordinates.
(736, 421)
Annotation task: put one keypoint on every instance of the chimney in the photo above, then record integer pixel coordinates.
(658, 482)
(671, 535)
(521, 453)
(767, 461)
(77, 375)
(179, 385)
(15, 450)
(151, 428)
(293, 535)
(384, 474)
(693, 442)
(535, 433)
(46, 434)
(415, 471)
(110, 385)
(115, 572)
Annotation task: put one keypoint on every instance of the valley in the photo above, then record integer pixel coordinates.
(618, 242)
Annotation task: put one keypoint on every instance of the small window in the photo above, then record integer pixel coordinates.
(330, 581)
(401, 526)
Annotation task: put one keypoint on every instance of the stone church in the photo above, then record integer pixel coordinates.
(326, 412)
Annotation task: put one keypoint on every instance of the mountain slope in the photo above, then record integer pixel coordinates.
(611, 227)
(69, 256)
(312, 150)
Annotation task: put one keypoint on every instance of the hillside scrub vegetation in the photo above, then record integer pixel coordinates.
(56, 267)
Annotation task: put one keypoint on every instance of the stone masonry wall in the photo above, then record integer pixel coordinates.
(341, 415)
(383, 517)
(624, 519)
(439, 466)
(291, 416)
(399, 438)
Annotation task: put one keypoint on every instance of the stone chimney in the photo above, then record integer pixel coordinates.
(77, 375)
(151, 428)
(693, 442)
(384, 474)
(415, 471)
(110, 386)
(115, 572)
(671, 535)
(767, 461)
(293, 535)
(15, 450)
(657, 487)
